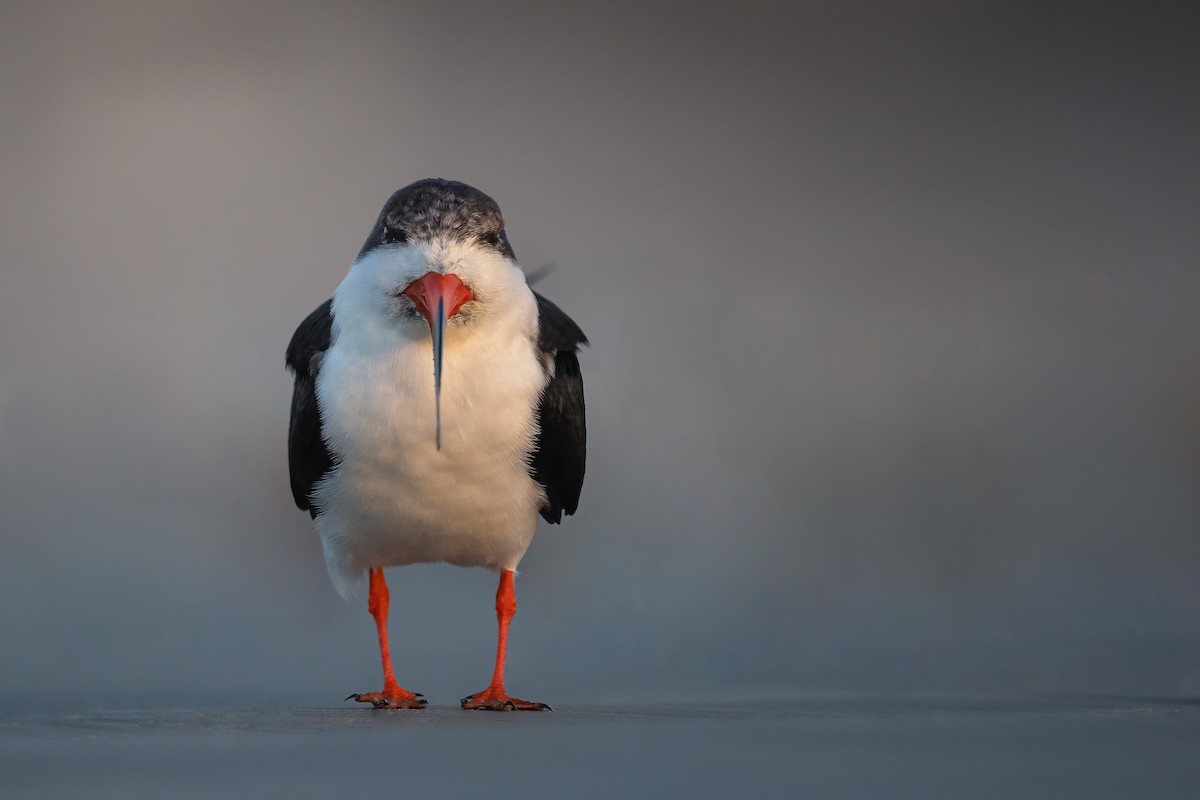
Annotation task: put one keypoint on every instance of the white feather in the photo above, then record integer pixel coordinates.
(394, 498)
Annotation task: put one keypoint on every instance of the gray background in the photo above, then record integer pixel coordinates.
(894, 381)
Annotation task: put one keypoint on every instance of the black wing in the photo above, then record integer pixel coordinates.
(308, 457)
(560, 451)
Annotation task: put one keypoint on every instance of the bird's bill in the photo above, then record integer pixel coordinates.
(438, 297)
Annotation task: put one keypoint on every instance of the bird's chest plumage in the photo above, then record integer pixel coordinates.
(393, 497)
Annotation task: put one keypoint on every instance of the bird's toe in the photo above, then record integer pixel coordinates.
(391, 699)
(491, 700)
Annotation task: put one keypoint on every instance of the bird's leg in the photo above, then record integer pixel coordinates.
(494, 698)
(393, 695)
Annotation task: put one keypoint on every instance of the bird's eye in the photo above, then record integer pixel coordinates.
(492, 239)
(394, 235)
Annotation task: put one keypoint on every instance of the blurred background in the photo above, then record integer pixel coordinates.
(895, 317)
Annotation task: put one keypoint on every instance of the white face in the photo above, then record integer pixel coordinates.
(374, 287)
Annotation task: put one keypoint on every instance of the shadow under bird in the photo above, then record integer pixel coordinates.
(438, 410)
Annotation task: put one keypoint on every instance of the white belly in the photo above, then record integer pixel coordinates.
(395, 499)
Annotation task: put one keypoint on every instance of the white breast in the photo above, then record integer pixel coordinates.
(394, 498)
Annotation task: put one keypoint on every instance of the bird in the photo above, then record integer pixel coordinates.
(437, 411)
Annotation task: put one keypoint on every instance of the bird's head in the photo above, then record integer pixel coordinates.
(437, 265)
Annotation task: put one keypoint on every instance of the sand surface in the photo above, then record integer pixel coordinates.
(830, 746)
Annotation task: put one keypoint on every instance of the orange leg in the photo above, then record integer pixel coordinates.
(393, 695)
(494, 698)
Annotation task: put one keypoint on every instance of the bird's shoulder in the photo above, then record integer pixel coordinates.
(556, 331)
(311, 339)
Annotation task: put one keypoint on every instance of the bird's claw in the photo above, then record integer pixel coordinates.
(382, 700)
(487, 701)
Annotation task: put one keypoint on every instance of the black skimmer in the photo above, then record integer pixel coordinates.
(437, 411)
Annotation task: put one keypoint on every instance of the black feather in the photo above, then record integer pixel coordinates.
(308, 458)
(560, 450)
